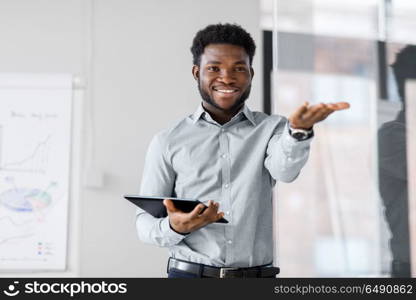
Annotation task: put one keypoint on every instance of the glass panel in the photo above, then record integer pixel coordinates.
(392, 159)
(394, 117)
(334, 220)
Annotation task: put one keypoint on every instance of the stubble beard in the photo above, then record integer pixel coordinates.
(207, 98)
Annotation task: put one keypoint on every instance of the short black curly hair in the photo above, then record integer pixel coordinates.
(227, 33)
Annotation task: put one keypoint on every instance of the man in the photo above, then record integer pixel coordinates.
(228, 157)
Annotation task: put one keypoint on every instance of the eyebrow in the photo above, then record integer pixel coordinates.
(215, 62)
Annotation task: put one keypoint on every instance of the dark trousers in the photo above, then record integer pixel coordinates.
(173, 273)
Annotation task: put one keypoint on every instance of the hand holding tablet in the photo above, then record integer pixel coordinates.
(180, 211)
(200, 216)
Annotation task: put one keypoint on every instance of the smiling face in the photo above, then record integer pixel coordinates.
(224, 77)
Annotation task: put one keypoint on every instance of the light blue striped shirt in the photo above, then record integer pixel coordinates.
(236, 164)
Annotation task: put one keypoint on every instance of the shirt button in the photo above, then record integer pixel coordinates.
(230, 242)
(224, 155)
(226, 186)
(227, 213)
(290, 158)
(222, 129)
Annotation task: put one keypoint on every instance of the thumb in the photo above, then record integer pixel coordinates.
(300, 111)
(169, 205)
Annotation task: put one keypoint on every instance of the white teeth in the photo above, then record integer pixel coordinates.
(226, 91)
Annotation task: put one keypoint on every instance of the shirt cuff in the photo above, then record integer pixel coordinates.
(173, 236)
(290, 141)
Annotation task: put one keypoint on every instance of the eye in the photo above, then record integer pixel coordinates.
(240, 69)
(213, 68)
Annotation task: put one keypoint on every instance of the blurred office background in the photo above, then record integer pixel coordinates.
(130, 69)
(347, 214)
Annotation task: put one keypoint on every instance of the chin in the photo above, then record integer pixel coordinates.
(225, 104)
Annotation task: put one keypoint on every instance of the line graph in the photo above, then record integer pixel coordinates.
(8, 239)
(35, 162)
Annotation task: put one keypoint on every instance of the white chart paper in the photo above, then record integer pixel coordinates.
(35, 133)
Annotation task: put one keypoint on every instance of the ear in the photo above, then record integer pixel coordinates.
(252, 72)
(195, 72)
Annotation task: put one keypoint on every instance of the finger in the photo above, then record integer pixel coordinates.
(211, 217)
(333, 107)
(213, 207)
(211, 211)
(326, 115)
(197, 211)
(322, 111)
(170, 207)
(207, 211)
(339, 105)
(209, 205)
(300, 111)
(321, 115)
(217, 217)
(313, 110)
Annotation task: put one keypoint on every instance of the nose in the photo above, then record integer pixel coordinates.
(227, 77)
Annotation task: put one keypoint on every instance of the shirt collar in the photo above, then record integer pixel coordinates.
(249, 114)
(198, 113)
(244, 110)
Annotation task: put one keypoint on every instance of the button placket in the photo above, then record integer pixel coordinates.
(226, 191)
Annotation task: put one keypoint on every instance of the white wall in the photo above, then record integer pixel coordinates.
(47, 36)
(141, 83)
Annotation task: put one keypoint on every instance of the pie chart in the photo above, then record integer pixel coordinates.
(25, 199)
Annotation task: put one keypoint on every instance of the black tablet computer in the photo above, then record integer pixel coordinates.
(155, 207)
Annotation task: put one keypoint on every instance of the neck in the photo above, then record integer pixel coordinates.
(219, 115)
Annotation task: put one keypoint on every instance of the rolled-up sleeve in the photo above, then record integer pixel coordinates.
(158, 180)
(285, 156)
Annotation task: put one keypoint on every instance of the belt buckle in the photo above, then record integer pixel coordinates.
(223, 271)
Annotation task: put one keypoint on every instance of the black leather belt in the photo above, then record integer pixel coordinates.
(217, 272)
